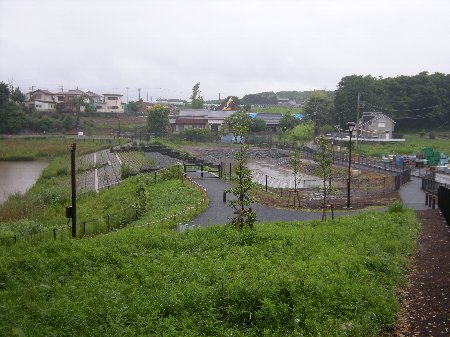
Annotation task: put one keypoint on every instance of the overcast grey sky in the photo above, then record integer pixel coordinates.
(231, 46)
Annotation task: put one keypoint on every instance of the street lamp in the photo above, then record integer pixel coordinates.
(351, 127)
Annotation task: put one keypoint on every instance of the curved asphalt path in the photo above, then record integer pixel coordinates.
(412, 194)
(219, 212)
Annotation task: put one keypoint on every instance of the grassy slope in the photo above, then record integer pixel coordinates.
(27, 148)
(283, 279)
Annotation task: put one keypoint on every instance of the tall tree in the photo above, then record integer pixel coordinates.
(196, 98)
(158, 120)
(319, 108)
(4, 93)
(17, 95)
(238, 124)
(302, 133)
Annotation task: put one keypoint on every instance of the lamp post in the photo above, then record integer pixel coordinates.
(351, 127)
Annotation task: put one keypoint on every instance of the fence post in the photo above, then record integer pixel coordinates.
(84, 228)
(155, 177)
(266, 182)
(426, 198)
(54, 233)
(109, 226)
(15, 238)
(224, 196)
(230, 171)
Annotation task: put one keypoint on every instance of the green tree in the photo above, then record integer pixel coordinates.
(68, 122)
(158, 120)
(302, 133)
(244, 215)
(319, 108)
(196, 98)
(263, 98)
(198, 135)
(324, 159)
(134, 107)
(17, 95)
(257, 125)
(238, 124)
(82, 102)
(288, 121)
(4, 93)
(12, 118)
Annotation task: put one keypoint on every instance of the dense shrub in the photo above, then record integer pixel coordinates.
(198, 135)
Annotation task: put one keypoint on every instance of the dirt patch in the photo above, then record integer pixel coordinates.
(426, 300)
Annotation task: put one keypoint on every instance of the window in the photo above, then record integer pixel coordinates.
(60, 98)
(111, 98)
(381, 124)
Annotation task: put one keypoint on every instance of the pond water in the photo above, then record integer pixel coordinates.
(18, 176)
(279, 176)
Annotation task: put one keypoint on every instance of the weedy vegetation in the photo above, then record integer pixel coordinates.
(282, 279)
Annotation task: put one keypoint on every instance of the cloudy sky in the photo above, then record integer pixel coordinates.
(232, 47)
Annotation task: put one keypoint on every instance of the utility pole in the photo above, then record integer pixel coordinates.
(73, 147)
(147, 96)
(358, 125)
(139, 89)
(127, 93)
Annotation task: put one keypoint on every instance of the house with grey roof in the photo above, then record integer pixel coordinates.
(375, 125)
(198, 119)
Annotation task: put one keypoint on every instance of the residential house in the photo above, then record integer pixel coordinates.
(111, 103)
(375, 125)
(94, 98)
(67, 100)
(286, 101)
(198, 119)
(272, 119)
(41, 100)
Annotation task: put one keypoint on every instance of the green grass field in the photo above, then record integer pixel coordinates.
(414, 144)
(283, 279)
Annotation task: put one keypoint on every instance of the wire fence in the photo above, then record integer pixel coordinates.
(112, 222)
(312, 189)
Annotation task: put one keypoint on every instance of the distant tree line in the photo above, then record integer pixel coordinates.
(420, 101)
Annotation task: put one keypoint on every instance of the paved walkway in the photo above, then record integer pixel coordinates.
(412, 194)
(219, 212)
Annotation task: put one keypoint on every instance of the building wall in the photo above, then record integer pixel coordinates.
(381, 128)
(112, 103)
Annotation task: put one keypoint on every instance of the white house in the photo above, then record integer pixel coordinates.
(111, 103)
(41, 100)
(198, 119)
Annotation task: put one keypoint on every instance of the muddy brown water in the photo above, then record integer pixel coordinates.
(18, 176)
